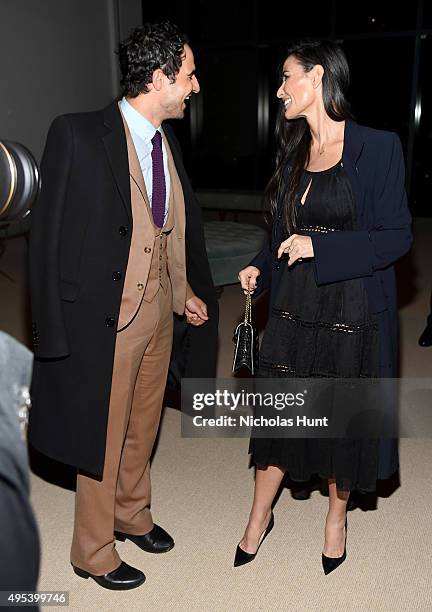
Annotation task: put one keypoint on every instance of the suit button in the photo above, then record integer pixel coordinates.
(140, 286)
(147, 250)
(116, 276)
(123, 231)
(109, 322)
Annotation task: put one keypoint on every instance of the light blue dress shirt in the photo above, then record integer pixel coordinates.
(142, 131)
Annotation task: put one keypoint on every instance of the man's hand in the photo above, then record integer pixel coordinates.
(196, 311)
(248, 278)
(297, 247)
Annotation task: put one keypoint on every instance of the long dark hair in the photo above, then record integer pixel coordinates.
(293, 137)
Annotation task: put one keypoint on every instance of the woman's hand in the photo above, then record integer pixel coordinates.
(297, 247)
(248, 278)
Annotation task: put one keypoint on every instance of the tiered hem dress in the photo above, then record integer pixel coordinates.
(321, 331)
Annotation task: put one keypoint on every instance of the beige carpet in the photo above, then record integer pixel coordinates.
(202, 490)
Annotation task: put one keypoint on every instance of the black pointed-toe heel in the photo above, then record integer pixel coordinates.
(331, 563)
(242, 557)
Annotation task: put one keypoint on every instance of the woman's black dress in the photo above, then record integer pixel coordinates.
(321, 331)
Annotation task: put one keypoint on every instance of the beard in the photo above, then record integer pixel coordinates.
(175, 109)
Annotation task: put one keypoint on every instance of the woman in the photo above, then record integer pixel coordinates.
(340, 215)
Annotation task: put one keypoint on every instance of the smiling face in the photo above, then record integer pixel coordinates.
(175, 95)
(298, 91)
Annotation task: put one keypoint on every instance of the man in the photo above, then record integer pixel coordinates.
(116, 247)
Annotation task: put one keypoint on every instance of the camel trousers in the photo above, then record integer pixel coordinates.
(121, 500)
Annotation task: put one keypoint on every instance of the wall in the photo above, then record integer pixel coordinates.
(57, 56)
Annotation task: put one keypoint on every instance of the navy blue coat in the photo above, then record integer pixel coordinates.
(374, 162)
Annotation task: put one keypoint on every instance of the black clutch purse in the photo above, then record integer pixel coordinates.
(246, 351)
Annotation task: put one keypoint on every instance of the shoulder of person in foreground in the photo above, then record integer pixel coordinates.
(19, 538)
(16, 362)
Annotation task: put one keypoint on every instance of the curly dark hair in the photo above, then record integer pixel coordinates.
(149, 47)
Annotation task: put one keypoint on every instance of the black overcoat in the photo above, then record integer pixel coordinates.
(374, 162)
(80, 234)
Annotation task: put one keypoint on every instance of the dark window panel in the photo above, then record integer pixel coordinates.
(427, 14)
(421, 185)
(222, 22)
(168, 10)
(371, 16)
(278, 20)
(225, 151)
(381, 80)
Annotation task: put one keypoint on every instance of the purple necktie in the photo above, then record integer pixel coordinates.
(159, 185)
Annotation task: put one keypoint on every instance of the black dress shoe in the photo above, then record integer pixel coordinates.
(123, 578)
(242, 557)
(155, 541)
(331, 563)
(426, 337)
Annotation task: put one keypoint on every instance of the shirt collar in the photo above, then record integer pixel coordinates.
(137, 122)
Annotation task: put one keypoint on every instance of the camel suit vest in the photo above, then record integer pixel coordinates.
(156, 255)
